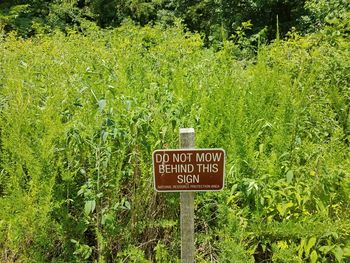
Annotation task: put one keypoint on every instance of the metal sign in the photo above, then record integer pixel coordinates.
(181, 170)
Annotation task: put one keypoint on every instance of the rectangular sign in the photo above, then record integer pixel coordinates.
(182, 170)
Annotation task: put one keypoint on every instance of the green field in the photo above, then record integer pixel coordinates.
(81, 114)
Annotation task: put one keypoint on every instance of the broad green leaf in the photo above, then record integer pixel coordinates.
(313, 256)
(126, 205)
(321, 208)
(338, 253)
(289, 176)
(107, 218)
(261, 148)
(309, 245)
(325, 249)
(282, 208)
(230, 199)
(301, 248)
(104, 136)
(89, 206)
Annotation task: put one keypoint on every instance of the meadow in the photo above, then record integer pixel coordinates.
(81, 114)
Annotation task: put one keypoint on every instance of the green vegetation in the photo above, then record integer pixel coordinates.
(217, 20)
(82, 109)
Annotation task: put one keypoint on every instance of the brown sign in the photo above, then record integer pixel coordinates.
(188, 170)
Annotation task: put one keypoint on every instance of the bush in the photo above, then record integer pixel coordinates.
(81, 114)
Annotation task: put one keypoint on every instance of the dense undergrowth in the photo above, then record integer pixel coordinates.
(81, 115)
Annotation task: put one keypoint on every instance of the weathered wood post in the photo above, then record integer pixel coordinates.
(188, 170)
(187, 206)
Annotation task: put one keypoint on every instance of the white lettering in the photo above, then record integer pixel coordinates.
(162, 158)
(187, 178)
(182, 157)
(200, 157)
(176, 168)
(207, 167)
(208, 157)
(216, 156)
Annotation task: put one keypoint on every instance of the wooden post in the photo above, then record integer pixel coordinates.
(187, 206)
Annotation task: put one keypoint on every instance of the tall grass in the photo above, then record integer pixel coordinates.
(81, 115)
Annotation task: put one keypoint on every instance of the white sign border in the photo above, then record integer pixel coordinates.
(188, 149)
